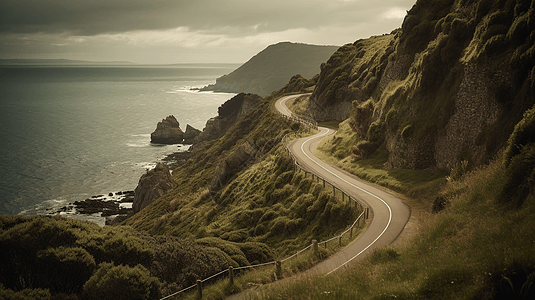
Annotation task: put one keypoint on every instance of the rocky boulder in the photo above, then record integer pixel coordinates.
(152, 185)
(190, 134)
(167, 132)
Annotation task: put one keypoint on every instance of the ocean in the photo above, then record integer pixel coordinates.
(70, 132)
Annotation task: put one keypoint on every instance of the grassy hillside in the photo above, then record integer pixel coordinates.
(439, 112)
(273, 67)
(475, 249)
(264, 211)
(266, 202)
(472, 231)
(447, 87)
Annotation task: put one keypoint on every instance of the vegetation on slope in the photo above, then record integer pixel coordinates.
(447, 87)
(266, 203)
(481, 246)
(239, 202)
(60, 258)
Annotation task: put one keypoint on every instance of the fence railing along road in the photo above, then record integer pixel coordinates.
(314, 245)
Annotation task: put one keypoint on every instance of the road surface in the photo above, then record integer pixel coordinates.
(389, 215)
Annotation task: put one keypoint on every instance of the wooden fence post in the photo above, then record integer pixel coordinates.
(199, 289)
(231, 275)
(278, 271)
(315, 247)
(340, 241)
(351, 233)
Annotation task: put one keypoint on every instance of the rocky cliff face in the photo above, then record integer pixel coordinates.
(191, 134)
(167, 132)
(228, 113)
(152, 185)
(447, 87)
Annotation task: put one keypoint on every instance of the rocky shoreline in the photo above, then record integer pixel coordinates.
(114, 207)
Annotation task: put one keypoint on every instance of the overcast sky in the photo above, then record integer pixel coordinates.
(178, 31)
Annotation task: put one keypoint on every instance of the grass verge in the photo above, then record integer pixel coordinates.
(475, 248)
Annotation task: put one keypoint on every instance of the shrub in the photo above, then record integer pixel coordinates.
(523, 134)
(363, 149)
(376, 133)
(319, 206)
(520, 177)
(238, 235)
(65, 270)
(299, 206)
(257, 252)
(26, 294)
(121, 282)
(383, 255)
(459, 170)
(361, 118)
(268, 216)
(283, 179)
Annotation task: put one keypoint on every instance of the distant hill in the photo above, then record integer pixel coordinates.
(273, 67)
(5, 62)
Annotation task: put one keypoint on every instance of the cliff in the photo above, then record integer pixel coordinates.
(228, 113)
(271, 69)
(447, 87)
(152, 185)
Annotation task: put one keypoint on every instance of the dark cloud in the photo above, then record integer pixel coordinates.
(238, 17)
(169, 31)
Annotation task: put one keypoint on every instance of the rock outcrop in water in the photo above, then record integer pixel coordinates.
(167, 132)
(190, 134)
(152, 185)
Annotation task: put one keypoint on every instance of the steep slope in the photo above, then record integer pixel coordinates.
(271, 69)
(447, 87)
(240, 187)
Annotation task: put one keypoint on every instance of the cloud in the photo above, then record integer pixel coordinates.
(93, 17)
(161, 30)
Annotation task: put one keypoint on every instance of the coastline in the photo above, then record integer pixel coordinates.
(109, 208)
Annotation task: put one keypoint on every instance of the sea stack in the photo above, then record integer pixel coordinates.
(190, 134)
(167, 132)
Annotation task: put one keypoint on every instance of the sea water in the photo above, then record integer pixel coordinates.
(70, 132)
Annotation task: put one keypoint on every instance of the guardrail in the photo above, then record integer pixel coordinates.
(304, 120)
(314, 245)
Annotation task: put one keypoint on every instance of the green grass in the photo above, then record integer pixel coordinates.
(331, 124)
(256, 277)
(473, 249)
(336, 150)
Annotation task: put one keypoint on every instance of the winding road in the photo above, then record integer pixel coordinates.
(389, 215)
